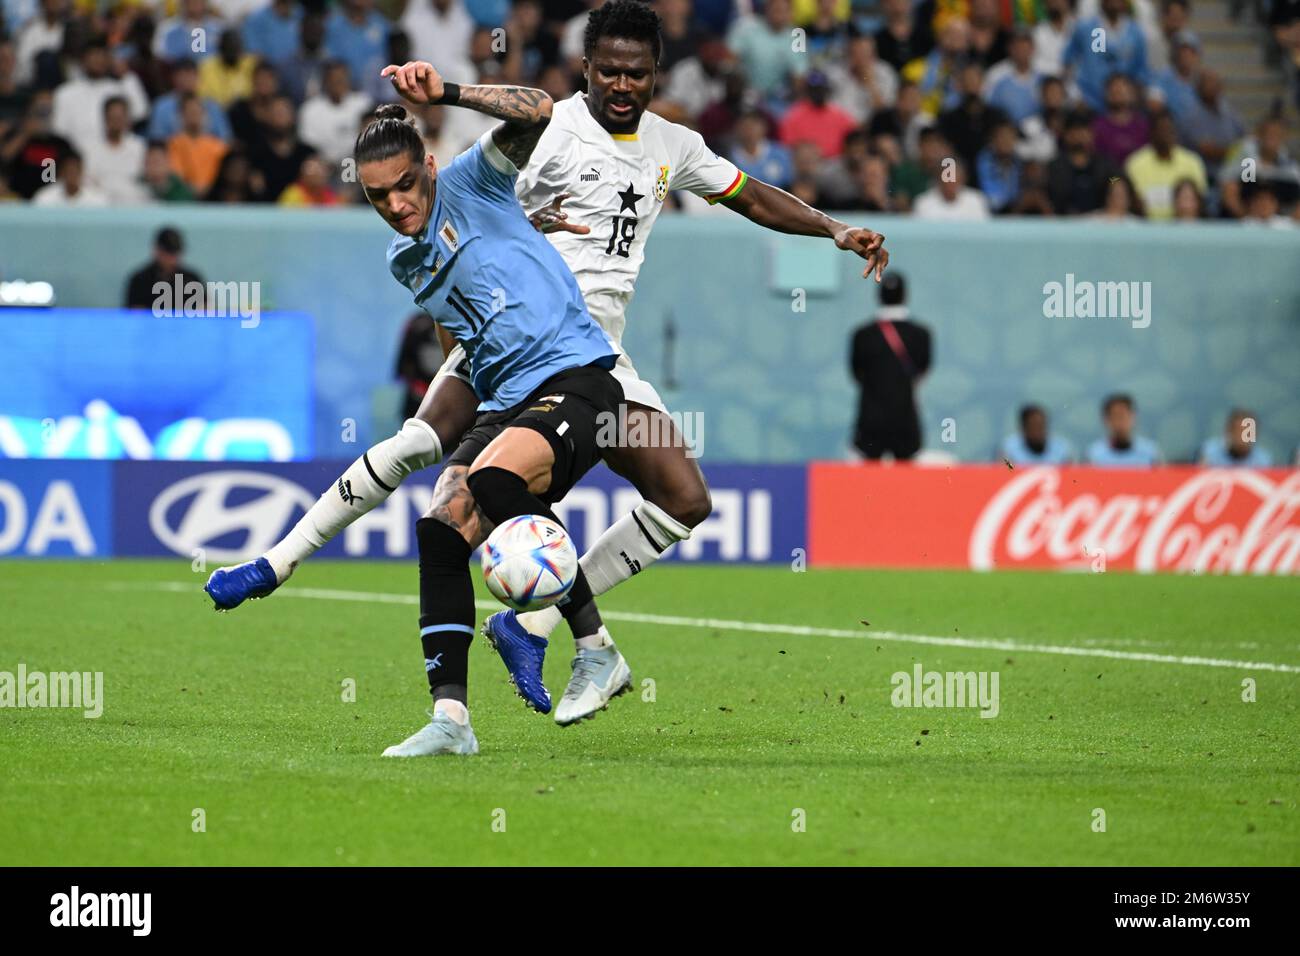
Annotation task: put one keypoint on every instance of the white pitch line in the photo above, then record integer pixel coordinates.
(794, 630)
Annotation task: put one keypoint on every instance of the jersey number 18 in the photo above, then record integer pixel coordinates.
(621, 236)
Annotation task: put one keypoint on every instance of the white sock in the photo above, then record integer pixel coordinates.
(630, 545)
(365, 485)
(594, 642)
(453, 709)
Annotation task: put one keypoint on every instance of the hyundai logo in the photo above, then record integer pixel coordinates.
(208, 517)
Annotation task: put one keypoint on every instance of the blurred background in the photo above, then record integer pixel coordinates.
(1012, 162)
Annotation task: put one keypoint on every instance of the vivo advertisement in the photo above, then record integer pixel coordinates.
(115, 384)
(235, 510)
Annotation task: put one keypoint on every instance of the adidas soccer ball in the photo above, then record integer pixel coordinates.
(529, 562)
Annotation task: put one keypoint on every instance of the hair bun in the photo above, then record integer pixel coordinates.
(394, 111)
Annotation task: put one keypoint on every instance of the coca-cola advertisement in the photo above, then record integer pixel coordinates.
(1181, 519)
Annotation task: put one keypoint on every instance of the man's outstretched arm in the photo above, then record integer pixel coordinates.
(777, 209)
(526, 111)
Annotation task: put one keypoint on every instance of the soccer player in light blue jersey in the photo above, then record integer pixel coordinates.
(538, 362)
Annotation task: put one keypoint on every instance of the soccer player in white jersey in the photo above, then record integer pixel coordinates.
(613, 164)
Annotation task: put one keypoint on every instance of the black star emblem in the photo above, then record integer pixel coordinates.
(630, 198)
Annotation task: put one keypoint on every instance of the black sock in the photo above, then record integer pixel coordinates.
(446, 608)
(504, 495)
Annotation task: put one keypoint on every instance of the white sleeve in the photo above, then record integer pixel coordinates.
(699, 170)
(543, 178)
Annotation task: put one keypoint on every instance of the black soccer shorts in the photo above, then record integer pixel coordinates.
(576, 411)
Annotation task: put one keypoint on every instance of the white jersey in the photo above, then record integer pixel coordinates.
(616, 183)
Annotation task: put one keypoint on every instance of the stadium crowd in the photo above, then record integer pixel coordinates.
(946, 109)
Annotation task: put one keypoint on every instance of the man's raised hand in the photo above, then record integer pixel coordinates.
(416, 81)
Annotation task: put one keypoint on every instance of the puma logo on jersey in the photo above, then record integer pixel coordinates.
(591, 177)
(632, 563)
(345, 492)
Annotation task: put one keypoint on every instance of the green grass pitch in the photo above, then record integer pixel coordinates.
(242, 716)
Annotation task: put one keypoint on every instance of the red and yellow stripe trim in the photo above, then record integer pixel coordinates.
(731, 192)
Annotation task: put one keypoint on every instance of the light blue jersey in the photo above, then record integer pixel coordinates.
(494, 282)
(1142, 453)
(1057, 452)
(1215, 454)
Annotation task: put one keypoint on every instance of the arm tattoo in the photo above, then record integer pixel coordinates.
(525, 111)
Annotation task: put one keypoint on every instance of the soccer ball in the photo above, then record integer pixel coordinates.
(529, 562)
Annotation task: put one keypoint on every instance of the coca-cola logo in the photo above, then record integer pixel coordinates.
(1219, 520)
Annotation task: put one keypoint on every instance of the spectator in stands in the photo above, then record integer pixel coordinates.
(195, 154)
(998, 169)
(1051, 35)
(904, 120)
(163, 267)
(681, 36)
(1163, 41)
(1189, 202)
(440, 32)
(905, 36)
(1263, 208)
(159, 181)
(1126, 51)
(302, 72)
(968, 125)
(1261, 159)
(863, 85)
(42, 34)
(827, 29)
(989, 40)
(759, 156)
(912, 178)
(1123, 204)
(1012, 85)
(814, 119)
(1123, 128)
(1238, 446)
(32, 150)
(249, 115)
(271, 33)
(1155, 169)
(1034, 199)
(839, 180)
(700, 80)
(328, 122)
(357, 34)
(1078, 177)
(763, 47)
(137, 50)
(380, 89)
(873, 193)
(69, 187)
(806, 183)
(165, 119)
(1211, 127)
(115, 164)
(1122, 447)
(278, 155)
(237, 181)
(952, 200)
(1041, 132)
(190, 35)
(228, 76)
(79, 103)
(312, 187)
(1032, 444)
(888, 357)
(1174, 87)
(935, 74)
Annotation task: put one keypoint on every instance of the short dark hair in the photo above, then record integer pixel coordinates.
(1118, 398)
(116, 100)
(392, 132)
(625, 19)
(893, 289)
(1239, 413)
(1031, 409)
